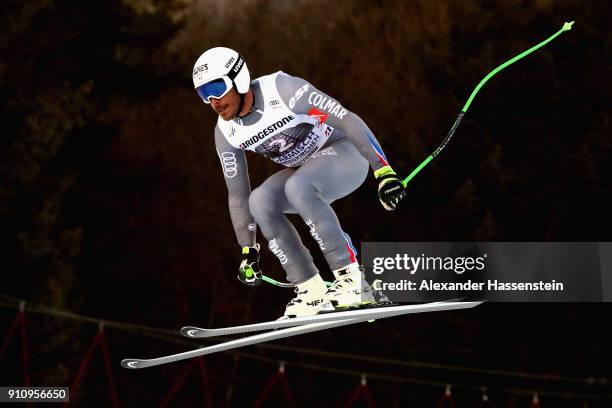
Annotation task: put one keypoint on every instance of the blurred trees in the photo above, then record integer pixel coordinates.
(59, 60)
(107, 155)
(110, 187)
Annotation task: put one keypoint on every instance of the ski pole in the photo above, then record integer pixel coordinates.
(566, 27)
(283, 284)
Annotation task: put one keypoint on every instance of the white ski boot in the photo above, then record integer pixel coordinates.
(309, 300)
(350, 289)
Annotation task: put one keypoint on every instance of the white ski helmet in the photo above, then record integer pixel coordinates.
(217, 70)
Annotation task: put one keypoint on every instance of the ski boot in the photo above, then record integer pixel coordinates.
(350, 290)
(309, 299)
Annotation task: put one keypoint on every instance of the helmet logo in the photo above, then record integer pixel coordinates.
(238, 65)
(228, 63)
(201, 68)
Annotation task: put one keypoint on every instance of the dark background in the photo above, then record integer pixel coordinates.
(112, 202)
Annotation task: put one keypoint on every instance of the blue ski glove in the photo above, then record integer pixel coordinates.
(390, 188)
(249, 272)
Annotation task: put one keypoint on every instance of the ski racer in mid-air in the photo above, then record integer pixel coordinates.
(326, 150)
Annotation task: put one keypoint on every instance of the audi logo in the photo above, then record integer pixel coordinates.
(230, 168)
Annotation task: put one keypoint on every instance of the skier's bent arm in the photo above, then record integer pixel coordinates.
(362, 137)
(235, 171)
(236, 174)
(390, 187)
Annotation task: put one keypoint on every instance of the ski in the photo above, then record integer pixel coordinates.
(371, 313)
(245, 341)
(338, 320)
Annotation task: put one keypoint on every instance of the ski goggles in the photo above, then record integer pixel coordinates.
(214, 89)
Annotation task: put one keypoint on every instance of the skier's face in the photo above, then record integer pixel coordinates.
(227, 105)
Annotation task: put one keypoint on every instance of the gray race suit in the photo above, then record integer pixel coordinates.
(326, 150)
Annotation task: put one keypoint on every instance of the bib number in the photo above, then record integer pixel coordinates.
(282, 143)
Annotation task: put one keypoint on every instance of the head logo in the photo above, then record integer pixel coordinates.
(199, 69)
(228, 63)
